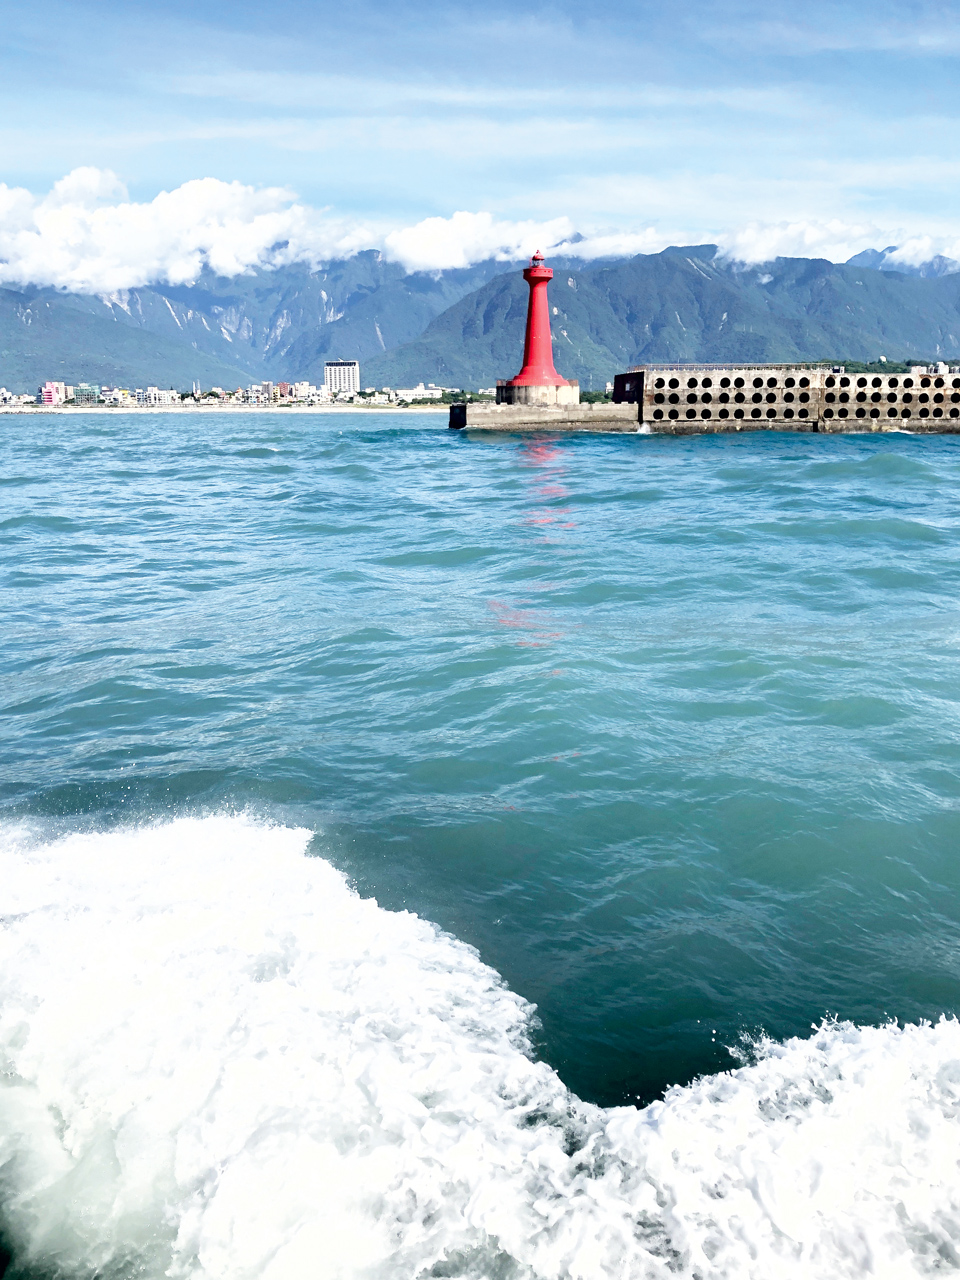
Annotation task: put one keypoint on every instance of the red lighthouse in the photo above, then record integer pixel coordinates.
(538, 381)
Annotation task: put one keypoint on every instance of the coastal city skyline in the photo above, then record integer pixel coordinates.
(341, 387)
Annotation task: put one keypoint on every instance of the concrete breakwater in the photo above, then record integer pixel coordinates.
(706, 399)
(554, 417)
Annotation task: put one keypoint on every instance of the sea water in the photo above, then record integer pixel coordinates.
(426, 854)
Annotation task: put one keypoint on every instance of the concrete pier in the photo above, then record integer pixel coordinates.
(707, 399)
(559, 417)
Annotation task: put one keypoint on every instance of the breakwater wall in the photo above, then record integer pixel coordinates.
(708, 399)
(554, 417)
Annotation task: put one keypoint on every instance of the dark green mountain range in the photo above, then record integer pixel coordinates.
(685, 305)
(465, 328)
(278, 324)
(44, 335)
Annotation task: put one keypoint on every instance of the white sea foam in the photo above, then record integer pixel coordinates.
(217, 1061)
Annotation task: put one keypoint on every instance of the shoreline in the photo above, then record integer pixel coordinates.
(67, 409)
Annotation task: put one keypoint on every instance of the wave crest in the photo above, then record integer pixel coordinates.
(219, 1061)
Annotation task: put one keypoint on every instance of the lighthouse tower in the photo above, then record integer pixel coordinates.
(538, 382)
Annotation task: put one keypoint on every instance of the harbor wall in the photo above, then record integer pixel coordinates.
(699, 400)
(560, 417)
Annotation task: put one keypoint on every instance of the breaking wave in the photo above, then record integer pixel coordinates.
(218, 1061)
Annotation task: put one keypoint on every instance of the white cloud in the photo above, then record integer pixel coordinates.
(832, 239)
(917, 249)
(306, 90)
(938, 39)
(87, 235)
(621, 244)
(437, 243)
(465, 238)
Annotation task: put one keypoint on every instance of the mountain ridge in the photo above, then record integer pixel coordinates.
(685, 304)
(464, 327)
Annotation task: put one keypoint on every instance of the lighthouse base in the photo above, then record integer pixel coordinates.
(568, 393)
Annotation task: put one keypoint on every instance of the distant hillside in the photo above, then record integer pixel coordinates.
(278, 324)
(46, 335)
(465, 327)
(682, 304)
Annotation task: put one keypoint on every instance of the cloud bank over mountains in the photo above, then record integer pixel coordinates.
(85, 235)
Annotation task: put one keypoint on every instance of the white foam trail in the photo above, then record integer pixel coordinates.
(218, 1062)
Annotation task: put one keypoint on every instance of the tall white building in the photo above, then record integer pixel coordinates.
(341, 375)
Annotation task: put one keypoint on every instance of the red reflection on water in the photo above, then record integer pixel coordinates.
(546, 460)
(508, 616)
(523, 620)
(540, 452)
(535, 519)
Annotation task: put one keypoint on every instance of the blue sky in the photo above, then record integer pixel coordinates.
(694, 119)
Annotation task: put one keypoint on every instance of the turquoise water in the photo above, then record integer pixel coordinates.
(667, 729)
